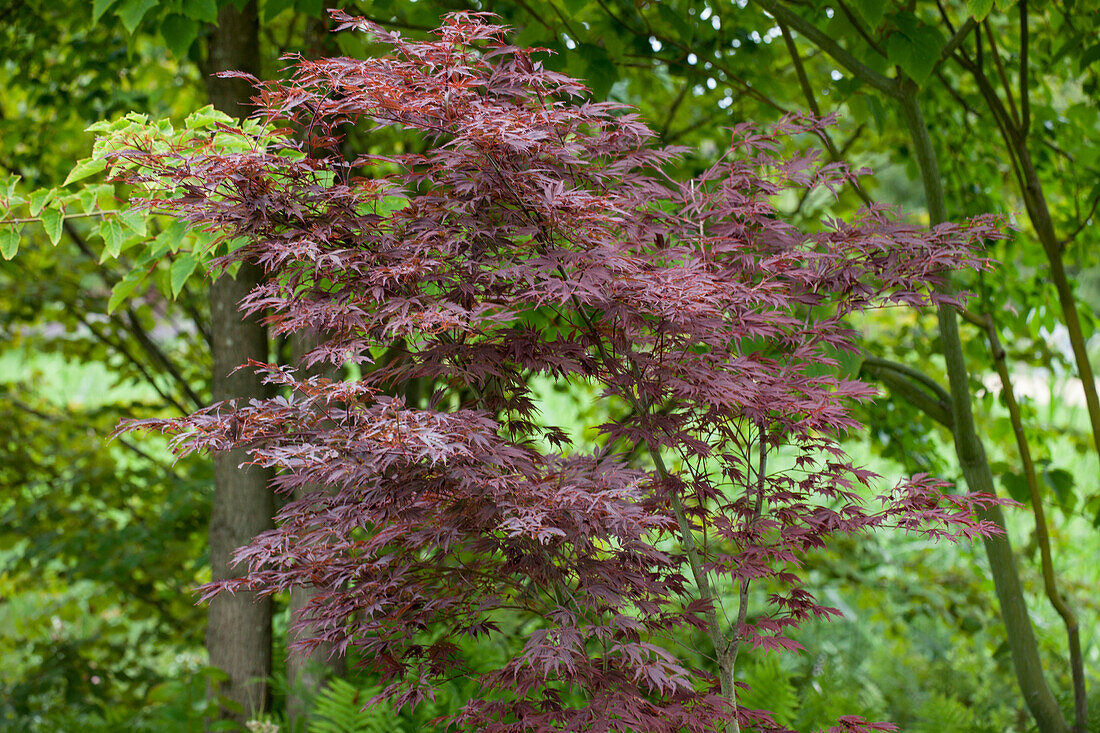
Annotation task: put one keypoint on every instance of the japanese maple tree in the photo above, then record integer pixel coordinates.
(542, 234)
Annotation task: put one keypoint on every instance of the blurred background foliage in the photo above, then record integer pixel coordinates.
(102, 542)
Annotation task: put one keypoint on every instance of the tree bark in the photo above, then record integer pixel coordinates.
(973, 462)
(238, 633)
(306, 672)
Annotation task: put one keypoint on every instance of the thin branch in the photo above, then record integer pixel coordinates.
(731, 77)
(916, 375)
(134, 326)
(811, 100)
(912, 386)
(701, 122)
(799, 68)
(854, 21)
(819, 38)
(68, 418)
(996, 54)
(955, 42)
(1042, 533)
(392, 23)
(121, 349)
(1082, 223)
(202, 326)
(757, 512)
(1001, 116)
(955, 94)
(157, 353)
(67, 217)
(946, 19)
(1025, 102)
(667, 124)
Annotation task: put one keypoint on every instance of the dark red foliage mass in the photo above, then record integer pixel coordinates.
(543, 234)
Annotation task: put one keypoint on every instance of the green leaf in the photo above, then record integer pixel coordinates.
(179, 32)
(979, 8)
(390, 204)
(1089, 56)
(39, 199)
(164, 692)
(111, 231)
(1016, 486)
(878, 112)
(572, 7)
(206, 117)
(88, 196)
(9, 186)
(1061, 483)
(99, 7)
(599, 68)
(85, 168)
(205, 11)
(313, 8)
(135, 220)
(132, 11)
(914, 47)
(871, 10)
(180, 270)
(53, 221)
(272, 8)
(9, 241)
(169, 239)
(203, 242)
(676, 20)
(124, 288)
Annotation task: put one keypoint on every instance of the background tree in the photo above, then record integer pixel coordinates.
(238, 632)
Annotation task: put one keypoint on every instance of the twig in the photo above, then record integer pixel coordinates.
(866, 74)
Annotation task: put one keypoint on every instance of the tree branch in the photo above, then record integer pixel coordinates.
(1025, 102)
(1042, 533)
(913, 386)
(996, 54)
(811, 100)
(955, 42)
(862, 72)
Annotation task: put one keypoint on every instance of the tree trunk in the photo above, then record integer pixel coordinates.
(975, 466)
(238, 633)
(306, 672)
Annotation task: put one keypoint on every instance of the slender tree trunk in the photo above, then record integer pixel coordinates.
(306, 672)
(975, 466)
(968, 446)
(238, 633)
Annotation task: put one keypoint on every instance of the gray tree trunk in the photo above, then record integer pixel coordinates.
(306, 673)
(238, 632)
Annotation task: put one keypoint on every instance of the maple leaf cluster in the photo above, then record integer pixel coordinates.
(533, 233)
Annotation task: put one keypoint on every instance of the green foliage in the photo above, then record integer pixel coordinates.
(771, 688)
(183, 704)
(914, 46)
(167, 260)
(341, 707)
(943, 714)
